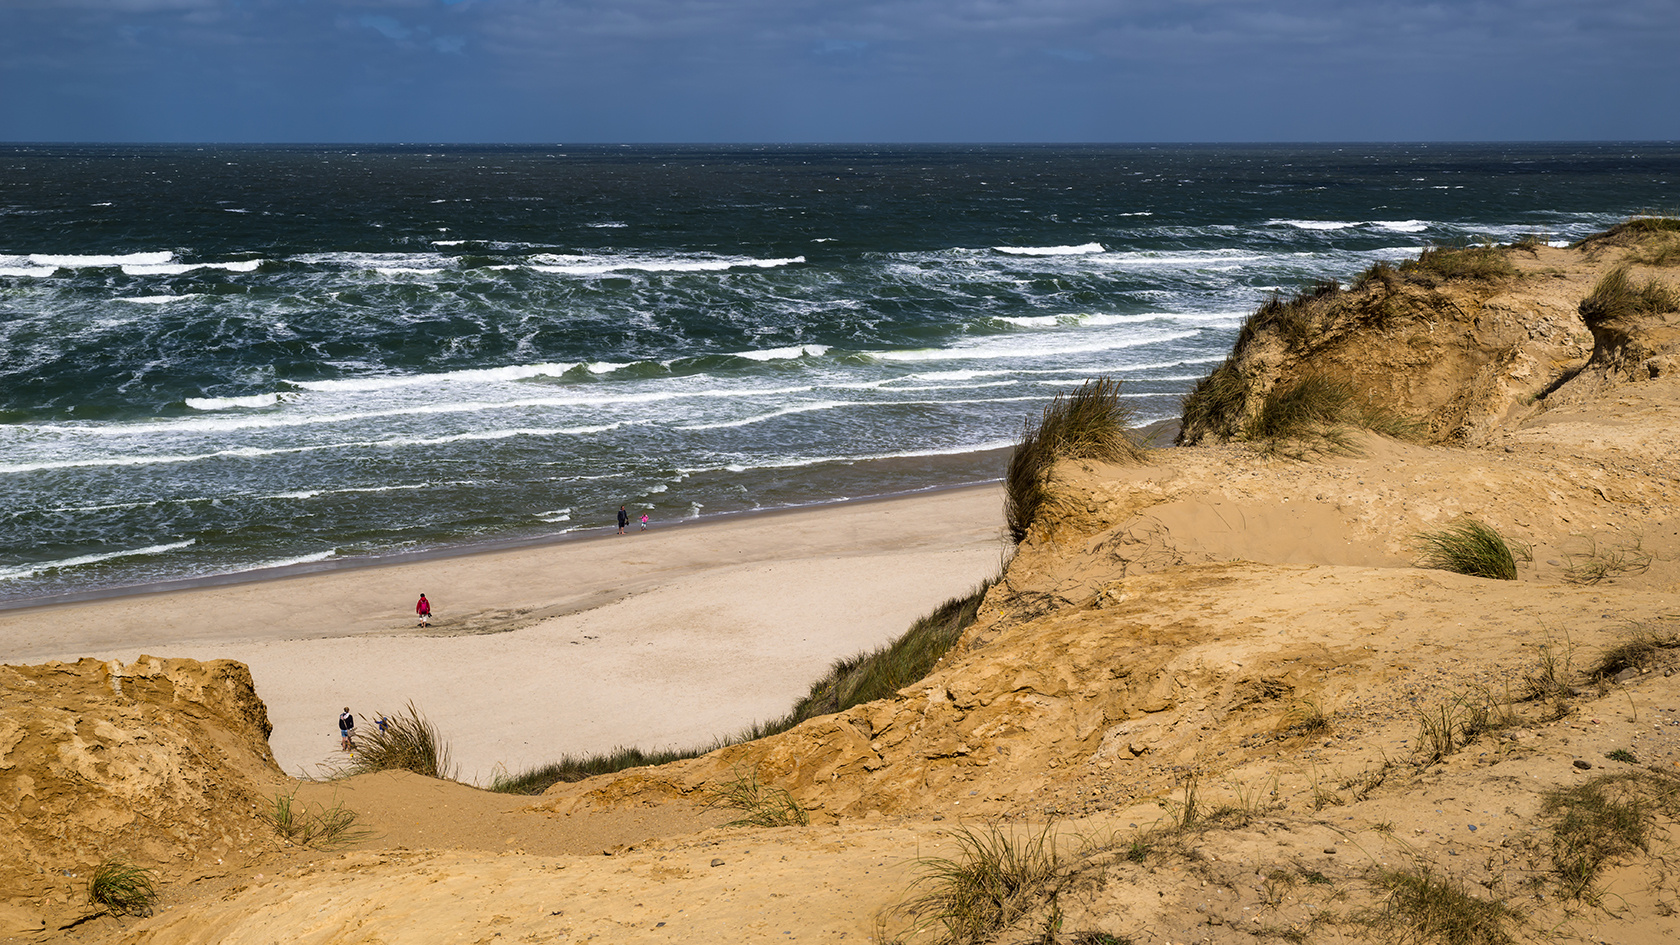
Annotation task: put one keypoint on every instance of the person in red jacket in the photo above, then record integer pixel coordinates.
(424, 609)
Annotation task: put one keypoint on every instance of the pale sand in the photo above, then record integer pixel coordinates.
(666, 638)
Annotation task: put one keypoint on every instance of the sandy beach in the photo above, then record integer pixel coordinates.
(669, 637)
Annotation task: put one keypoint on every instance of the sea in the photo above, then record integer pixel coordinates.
(219, 361)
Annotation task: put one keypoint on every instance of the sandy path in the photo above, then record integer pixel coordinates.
(668, 638)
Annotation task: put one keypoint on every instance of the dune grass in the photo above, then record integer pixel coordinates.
(849, 682)
(996, 878)
(408, 742)
(1314, 415)
(318, 826)
(1422, 906)
(1090, 423)
(1486, 262)
(1616, 296)
(761, 805)
(1468, 547)
(1607, 818)
(1215, 405)
(121, 888)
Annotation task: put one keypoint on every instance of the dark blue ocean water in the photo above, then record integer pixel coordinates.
(219, 359)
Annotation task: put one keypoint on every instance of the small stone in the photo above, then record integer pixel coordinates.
(1330, 850)
(1583, 765)
(716, 862)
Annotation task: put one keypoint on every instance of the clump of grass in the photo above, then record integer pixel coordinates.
(995, 879)
(317, 826)
(1485, 262)
(1553, 676)
(1616, 296)
(1453, 724)
(1606, 818)
(1622, 755)
(1638, 649)
(1314, 415)
(1529, 242)
(1469, 547)
(1308, 718)
(761, 805)
(122, 888)
(1423, 907)
(849, 682)
(408, 742)
(1291, 319)
(1090, 423)
(1215, 405)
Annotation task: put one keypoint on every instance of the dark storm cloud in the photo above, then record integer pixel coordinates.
(808, 70)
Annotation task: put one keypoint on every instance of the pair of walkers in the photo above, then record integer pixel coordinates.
(347, 729)
(624, 520)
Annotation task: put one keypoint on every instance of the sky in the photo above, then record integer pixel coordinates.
(842, 71)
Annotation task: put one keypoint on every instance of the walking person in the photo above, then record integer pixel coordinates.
(347, 730)
(644, 521)
(623, 520)
(424, 609)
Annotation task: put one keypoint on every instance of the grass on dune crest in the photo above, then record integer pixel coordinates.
(121, 888)
(1616, 296)
(1313, 415)
(1090, 423)
(1486, 262)
(408, 742)
(849, 682)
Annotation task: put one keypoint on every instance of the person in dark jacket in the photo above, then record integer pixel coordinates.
(623, 519)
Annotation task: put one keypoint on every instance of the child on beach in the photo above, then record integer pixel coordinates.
(644, 521)
(347, 730)
(424, 609)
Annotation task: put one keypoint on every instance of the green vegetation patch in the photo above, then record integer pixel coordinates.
(1090, 423)
(121, 888)
(1616, 296)
(406, 742)
(1485, 262)
(761, 805)
(1468, 547)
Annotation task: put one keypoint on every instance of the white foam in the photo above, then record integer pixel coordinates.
(783, 354)
(513, 372)
(783, 412)
(156, 299)
(1313, 224)
(176, 269)
(1083, 249)
(287, 562)
(398, 271)
(556, 516)
(1401, 226)
(600, 265)
(797, 462)
(26, 570)
(28, 272)
(1028, 346)
(227, 403)
(100, 262)
(450, 242)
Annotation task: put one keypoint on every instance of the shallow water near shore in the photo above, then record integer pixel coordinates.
(224, 359)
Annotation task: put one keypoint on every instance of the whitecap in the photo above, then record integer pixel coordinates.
(27, 570)
(176, 269)
(156, 299)
(512, 372)
(601, 265)
(397, 271)
(1083, 249)
(783, 412)
(227, 403)
(28, 272)
(783, 354)
(1401, 226)
(1313, 224)
(1029, 346)
(67, 261)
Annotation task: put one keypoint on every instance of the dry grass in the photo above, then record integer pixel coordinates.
(1603, 820)
(1600, 563)
(1640, 649)
(1090, 423)
(1316, 415)
(1215, 405)
(1423, 907)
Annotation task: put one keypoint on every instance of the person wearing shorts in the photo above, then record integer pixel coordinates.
(347, 730)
